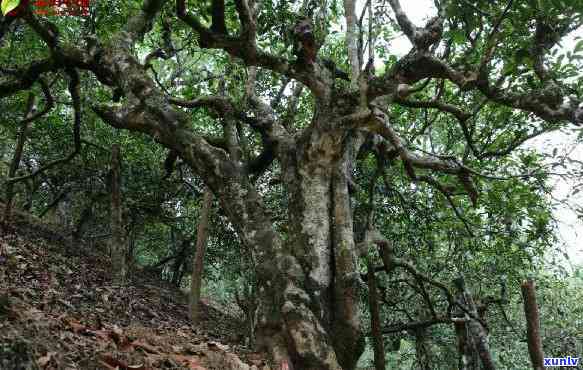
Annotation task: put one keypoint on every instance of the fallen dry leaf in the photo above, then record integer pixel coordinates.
(117, 335)
(192, 363)
(145, 346)
(75, 326)
(100, 334)
(113, 363)
(44, 360)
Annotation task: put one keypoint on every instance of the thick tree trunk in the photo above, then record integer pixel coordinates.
(198, 259)
(117, 245)
(307, 285)
(320, 299)
(307, 314)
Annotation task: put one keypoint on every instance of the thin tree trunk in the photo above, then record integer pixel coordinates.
(117, 240)
(247, 301)
(30, 190)
(17, 156)
(535, 349)
(131, 249)
(54, 203)
(198, 265)
(179, 262)
(375, 319)
(86, 215)
(371, 38)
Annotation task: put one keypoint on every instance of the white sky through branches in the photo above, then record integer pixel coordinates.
(570, 228)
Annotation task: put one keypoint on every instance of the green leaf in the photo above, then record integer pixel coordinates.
(9, 5)
(458, 36)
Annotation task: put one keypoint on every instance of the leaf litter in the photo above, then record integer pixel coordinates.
(59, 310)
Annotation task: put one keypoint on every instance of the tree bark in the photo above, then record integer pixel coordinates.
(246, 299)
(84, 218)
(477, 331)
(422, 349)
(117, 245)
(468, 356)
(180, 263)
(375, 319)
(535, 349)
(198, 259)
(352, 41)
(307, 314)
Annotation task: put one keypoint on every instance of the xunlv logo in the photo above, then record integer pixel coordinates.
(561, 361)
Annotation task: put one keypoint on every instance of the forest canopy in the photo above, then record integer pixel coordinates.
(365, 204)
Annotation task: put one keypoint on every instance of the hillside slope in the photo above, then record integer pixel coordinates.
(58, 310)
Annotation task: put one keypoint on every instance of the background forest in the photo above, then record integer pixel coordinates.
(460, 195)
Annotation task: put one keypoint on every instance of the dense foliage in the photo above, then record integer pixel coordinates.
(310, 153)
